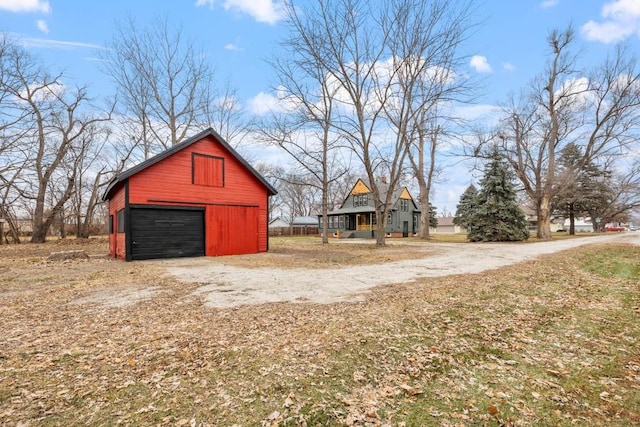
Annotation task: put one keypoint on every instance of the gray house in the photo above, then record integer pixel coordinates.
(356, 217)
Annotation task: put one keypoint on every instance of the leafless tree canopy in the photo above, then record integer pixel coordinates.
(373, 72)
(597, 110)
(166, 88)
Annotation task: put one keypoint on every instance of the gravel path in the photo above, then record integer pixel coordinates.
(228, 286)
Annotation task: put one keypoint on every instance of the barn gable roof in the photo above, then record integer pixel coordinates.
(187, 142)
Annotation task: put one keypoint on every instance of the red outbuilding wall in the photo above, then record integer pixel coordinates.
(234, 197)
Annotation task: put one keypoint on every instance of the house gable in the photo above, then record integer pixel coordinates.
(360, 188)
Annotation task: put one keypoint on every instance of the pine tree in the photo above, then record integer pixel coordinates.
(433, 221)
(579, 190)
(497, 217)
(465, 206)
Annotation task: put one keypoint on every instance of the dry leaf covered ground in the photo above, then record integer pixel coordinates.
(551, 341)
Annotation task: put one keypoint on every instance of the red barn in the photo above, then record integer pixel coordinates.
(200, 197)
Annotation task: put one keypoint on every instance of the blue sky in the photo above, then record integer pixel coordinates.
(507, 50)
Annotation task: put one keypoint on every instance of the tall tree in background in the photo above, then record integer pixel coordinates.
(303, 129)
(165, 86)
(345, 41)
(466, 206)
(578, 190)
(12, 156)
(620, 196)
(427, 39)
(497, 216)
(55, 132)
(373, 55)
(598, 111)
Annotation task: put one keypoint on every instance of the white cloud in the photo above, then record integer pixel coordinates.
(576, 93)
(621, 20)
(485, 113)
(42, 26)
(40, 92)
(25, 6)
(233, 47)
(508, 66)
(268, 11)
(546, 4)
(57, 44)
(263, 103)
(480, 64)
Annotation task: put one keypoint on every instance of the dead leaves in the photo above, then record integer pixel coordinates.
(510, 347)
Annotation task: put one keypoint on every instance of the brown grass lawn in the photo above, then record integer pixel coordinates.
(549, 342)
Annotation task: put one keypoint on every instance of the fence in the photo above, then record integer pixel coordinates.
(294, 231)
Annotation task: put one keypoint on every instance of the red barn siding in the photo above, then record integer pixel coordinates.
(263, 229)
(231, 230)
(201, 172)
(117, 240)
(235, 213)
(170, 180)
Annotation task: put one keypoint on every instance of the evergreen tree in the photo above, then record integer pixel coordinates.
(497, 217)
(433, 221)
(465, 206)
(579, 190)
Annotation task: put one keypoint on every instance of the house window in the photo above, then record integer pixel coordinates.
(389, 218)
(404, 205)
(207, 170)
(360, 200)
(332, 221)
(415, 222)
(341, 222)
(111, 230)
(120, 221)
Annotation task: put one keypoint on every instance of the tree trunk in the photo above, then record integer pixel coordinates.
(41, 225)
(325, 218)
(39, 229)
(423, 233)
(325, 185)
(11, 224)
(62, 231)
(381, 226)
(572, 220)
(544, 218)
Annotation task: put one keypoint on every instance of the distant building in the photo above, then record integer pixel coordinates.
(446, 225)
(356, 216)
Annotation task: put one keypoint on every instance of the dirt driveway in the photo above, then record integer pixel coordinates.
(224, 285)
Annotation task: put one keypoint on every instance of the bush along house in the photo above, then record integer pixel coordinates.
(198, 198)
(356, 217)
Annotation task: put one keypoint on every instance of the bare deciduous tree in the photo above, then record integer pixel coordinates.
(53, 133)
(599, 112)
(304, 128)
(428, 37)
(371, 57)
(165, 85)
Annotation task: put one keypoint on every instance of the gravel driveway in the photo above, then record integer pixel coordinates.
(229, 286)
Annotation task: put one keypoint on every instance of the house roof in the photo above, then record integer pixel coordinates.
(305, 220)
(278, 222)
(383, 188)
(445, 221)
(187, 142)
(350, 210)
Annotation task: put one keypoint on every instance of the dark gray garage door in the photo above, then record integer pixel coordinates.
(166, 233)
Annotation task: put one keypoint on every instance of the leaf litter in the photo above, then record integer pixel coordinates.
(542, 342)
